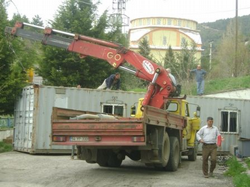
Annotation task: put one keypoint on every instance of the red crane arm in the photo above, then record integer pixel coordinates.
(160, 86)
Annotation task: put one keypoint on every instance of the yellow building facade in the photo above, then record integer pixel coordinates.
(162, 32)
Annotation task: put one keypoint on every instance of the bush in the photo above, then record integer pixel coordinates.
(235, 168)
(242, 180)
(248, 162)
(5, 147)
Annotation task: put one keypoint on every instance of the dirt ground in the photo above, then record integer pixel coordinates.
(25, 170)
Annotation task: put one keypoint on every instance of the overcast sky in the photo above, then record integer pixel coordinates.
(198, 10)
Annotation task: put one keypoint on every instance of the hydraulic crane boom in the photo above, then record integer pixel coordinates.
(160, 86)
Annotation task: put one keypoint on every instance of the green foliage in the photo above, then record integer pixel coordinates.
(144, 48)
(37, 20)
(218, 85)
(242, 180)
(169, 59)
(236, 170)
(235, 167)
(227, 84)
(247, 160)
(61, 68)
(222, 33)
(213, 31)
(5, 147)
(12, 72)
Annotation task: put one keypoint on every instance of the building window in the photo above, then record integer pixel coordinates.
(140, 22)
(159, 21)
(113, 109)
(229, 121)
(149, 21)
(169, 21)
(179, 22)
(164, 41)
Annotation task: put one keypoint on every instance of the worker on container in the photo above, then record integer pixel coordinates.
(208, 135)
(171, 77)
(113, 81)
(199, 76)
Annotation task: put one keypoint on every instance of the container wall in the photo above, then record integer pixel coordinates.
(33, 131)
(23, 120)
(219, 108)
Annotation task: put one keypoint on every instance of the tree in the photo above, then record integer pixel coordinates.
(180, 62)
(226, 54)
(37, 20)
(144, 48)
(170, 61)
(185, 60)
(67, 69)
(12, 71)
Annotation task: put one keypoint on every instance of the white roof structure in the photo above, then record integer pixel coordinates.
(237, 94)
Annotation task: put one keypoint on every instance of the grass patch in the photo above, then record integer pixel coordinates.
(5, 128)
(242, 180)
(212, 86)
(235, 168)
(227, 84)
(248, 163)
(5, 147)
(236, 171)
(144, 90)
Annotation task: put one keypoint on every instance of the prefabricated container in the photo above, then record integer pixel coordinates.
(231, 116)
(32, 117)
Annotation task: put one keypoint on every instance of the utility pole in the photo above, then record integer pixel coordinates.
(210, 55)
(236, 42)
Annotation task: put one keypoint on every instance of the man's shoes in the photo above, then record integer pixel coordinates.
(206, 176)
(211, 174)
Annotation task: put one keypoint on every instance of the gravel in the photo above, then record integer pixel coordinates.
(24, 170)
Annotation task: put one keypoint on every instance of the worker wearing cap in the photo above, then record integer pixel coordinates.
(208, 136)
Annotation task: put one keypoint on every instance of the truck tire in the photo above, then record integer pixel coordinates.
(192, 154)
(174, 157)
(102, 157)
(164, 152)
(113, 160)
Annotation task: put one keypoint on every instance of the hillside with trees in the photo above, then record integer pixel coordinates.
(213, 31)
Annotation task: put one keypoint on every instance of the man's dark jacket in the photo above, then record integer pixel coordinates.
(111, 81)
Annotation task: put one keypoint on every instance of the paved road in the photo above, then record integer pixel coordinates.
(25, 170)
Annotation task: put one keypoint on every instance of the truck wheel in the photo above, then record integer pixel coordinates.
(192, 154)
(113, 161)
(174, 158)
(164, 152)
(102, 157)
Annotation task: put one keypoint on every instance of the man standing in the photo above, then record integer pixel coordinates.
(199, 76)
(110, 82)
(208, 136)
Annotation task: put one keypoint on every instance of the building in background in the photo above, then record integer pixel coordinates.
(162, 32)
